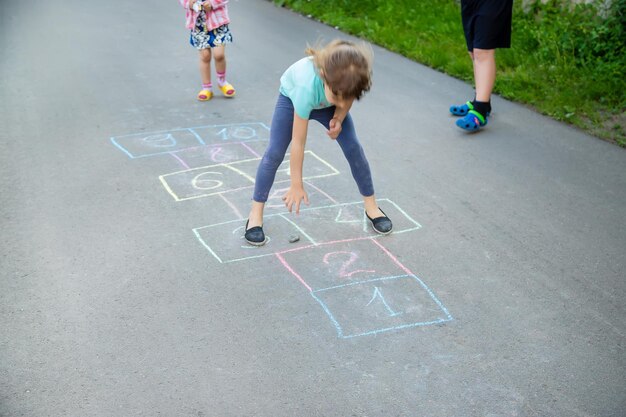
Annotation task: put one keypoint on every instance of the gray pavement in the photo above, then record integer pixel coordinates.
(125, 289)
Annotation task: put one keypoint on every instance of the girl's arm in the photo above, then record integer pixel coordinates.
(296, 192)
(334, 128)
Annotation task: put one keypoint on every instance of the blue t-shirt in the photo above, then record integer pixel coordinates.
(303, 85)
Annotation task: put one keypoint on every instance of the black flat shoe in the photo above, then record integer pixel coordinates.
(254, 235)
(381, 225)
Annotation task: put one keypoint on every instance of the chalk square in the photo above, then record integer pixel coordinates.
(344, 221)
(141, 145)
(381, 305)
(238, 132)
(200, 156)
(334, 223)
(315, 167)
(226, 243)
(205, 181)
(340, 263)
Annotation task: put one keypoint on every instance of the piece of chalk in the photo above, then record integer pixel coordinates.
(294, 238)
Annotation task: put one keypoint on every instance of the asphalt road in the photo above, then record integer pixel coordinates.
(125, 289)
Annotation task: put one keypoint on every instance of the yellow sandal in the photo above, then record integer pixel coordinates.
(205, 95)
(228, 90)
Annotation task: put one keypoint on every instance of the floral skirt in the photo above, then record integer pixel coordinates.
(203, 39)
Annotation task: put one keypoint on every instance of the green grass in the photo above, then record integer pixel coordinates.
(566, 61)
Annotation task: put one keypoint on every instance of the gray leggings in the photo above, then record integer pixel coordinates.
(280, 138)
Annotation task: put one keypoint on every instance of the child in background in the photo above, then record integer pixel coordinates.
(487, 26)
(208, 21)
(321, 87)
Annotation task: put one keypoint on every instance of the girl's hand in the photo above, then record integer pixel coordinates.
(334, 128)
(294, 196)
(193, 6)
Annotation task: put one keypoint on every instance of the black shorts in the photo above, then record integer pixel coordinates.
(487, 23)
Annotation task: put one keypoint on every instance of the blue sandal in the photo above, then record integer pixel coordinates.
(462, 110)
(472, 122)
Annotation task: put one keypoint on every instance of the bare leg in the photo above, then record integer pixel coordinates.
(380, 222)
(371, 207)
(255, 218)
(484, 73)
(205, 65)
(219, 56)
(220, 68)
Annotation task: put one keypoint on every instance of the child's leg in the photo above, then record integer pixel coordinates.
(371, 207)
(280, 137)
(205, 66)
(484, 73)
(354, 154)
(219, 54)
(477, 111)
(205, 74)
(488, 28)
(255, 217)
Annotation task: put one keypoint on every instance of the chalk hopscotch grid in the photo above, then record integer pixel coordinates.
(174, 154)
(283, 215)
(316, 294)
(116, 139)
(229, 165)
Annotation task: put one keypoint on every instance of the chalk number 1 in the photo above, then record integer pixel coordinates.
(379, 295)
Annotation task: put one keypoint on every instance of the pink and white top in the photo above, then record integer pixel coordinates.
(216, 17)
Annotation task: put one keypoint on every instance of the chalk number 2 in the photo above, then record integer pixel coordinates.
(346, 270)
